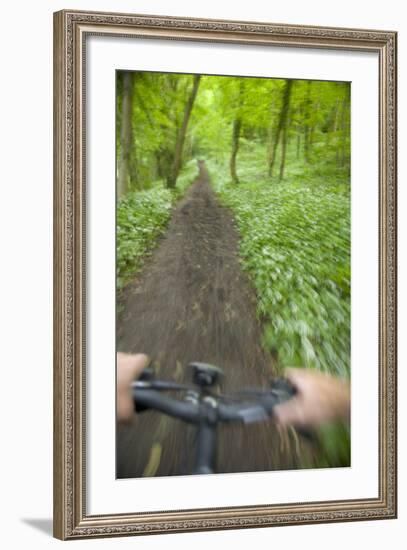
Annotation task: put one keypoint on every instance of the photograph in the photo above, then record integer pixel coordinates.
(225, 344)
(233, 274)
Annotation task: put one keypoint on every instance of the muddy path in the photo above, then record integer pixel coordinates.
(192, 302)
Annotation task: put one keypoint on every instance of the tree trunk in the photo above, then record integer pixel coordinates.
(179, 145)
(306, 143)
(282, 123)
(343, 127)
(236, 131)
(283, 152)
(273, 149)
(237, 125)
(307, 131)
(123, 180)
(331, 126)
(298, 143)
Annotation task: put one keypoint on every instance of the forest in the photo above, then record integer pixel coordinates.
(277, 157)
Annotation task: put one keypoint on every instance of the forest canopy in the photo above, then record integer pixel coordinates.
(164, 120)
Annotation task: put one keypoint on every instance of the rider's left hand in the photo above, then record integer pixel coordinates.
(129, 367)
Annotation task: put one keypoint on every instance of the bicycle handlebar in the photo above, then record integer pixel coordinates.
(247, 406)
(205, 409)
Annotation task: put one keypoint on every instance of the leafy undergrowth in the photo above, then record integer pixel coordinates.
(295, 246)
(141, 217)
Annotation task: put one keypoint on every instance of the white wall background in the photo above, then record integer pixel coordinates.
(26, 283)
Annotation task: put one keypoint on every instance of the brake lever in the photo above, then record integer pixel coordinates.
(282, 388)
(286, 390)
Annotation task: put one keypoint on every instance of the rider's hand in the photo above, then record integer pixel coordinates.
(319, 399)
(129, 367)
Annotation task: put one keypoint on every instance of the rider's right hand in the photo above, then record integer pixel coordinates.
(129, 367)
(319, 399)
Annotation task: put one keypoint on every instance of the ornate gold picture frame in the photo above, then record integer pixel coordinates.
(72, 29)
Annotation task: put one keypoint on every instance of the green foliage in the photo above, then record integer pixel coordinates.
(318, 121)
(334, 442)
(295, 245)
(141, 217)
(158, 104)
(296, 234)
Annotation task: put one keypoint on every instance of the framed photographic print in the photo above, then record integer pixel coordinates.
(225, 274)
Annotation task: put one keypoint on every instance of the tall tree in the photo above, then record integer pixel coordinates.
(344, 127)
(307, 123)
(176, 117)
(281, 127)
(236, 129)
(179, 144)
(123, 180)
(284, 140)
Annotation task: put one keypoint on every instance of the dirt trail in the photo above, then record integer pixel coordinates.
(193, 302)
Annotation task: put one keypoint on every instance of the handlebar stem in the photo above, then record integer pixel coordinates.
(206, 436)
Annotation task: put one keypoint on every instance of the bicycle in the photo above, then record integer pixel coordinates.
(201, 406)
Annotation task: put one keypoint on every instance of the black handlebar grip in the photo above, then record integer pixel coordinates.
(284, 388)
(147, 374)
(140, 405)
(151, 399)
